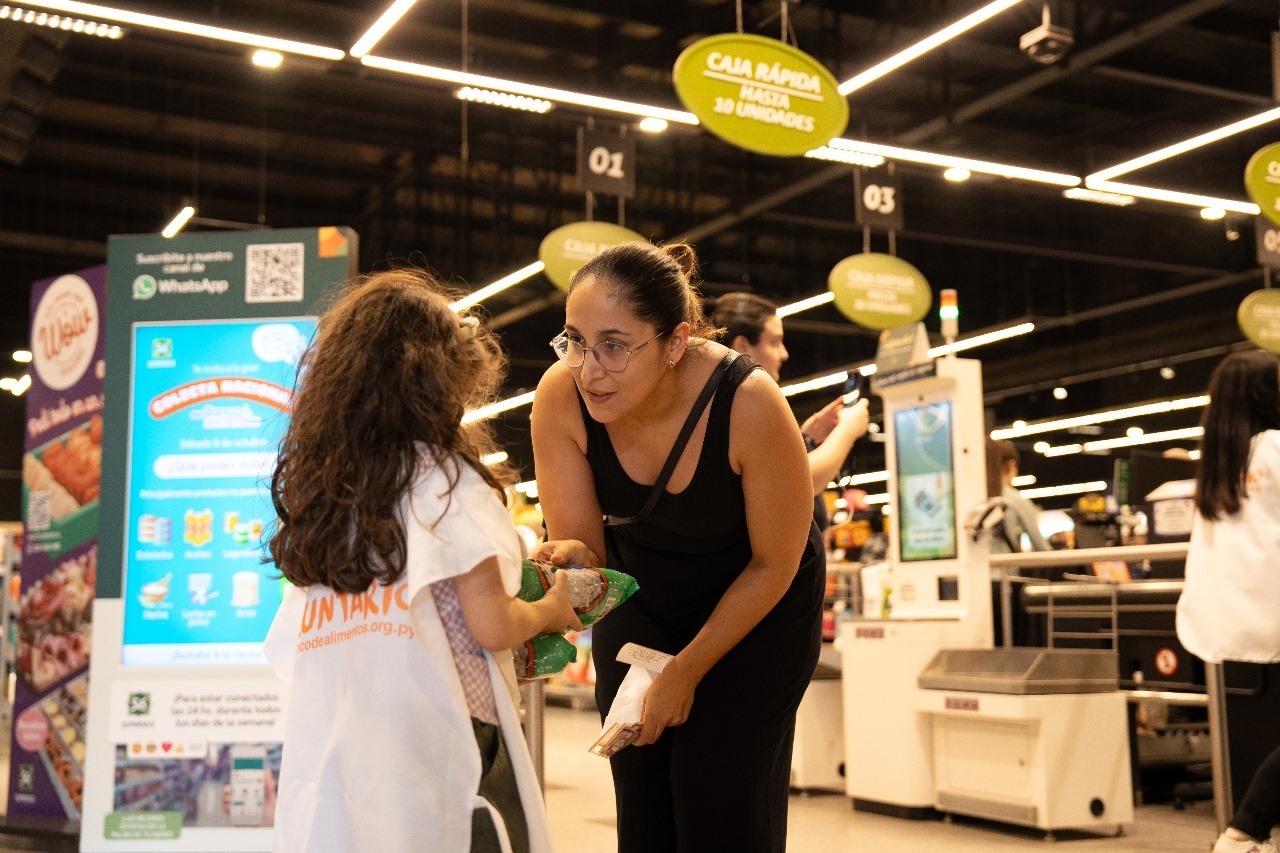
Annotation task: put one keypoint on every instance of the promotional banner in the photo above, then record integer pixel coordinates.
(879, 291)
(61, 470)
(1259, 319)
(566, 249)
(760, 94)
(205, 333)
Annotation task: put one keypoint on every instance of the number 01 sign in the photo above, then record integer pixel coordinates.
(606, 163)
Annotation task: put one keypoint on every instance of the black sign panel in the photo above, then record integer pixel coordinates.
(606, 163)
(1268, 242)
(879, 202)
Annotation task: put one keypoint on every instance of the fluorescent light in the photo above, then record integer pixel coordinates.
(1107, 416)
(925, 45)
(1058, 491)
(380, 27)
(1023, 480)
(1128, 441)
(189, 28)
(653, 125)
(1174, 197)
(1212, 214)
(980, 340)
(499, 285)
(494, 458)
(1134, 431)
(503, 99)
(1060, 393)
(867, 369)
(1099, 197)
(562, 96)
(1040, 446)
(806, 304)
(956, 175)
(982, 167)
(853, 158)
(498, 408)
(528, 488)
(862, 479)
(21, 386)
(1185, 146)
(814, 384)
(267, 58)
(22, 355)
(60, 22)
(179, 221)
(882, 498)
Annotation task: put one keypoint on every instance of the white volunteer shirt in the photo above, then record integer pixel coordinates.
(379, 752)
(1230, 605)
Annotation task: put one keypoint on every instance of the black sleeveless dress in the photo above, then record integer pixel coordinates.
(718, 782)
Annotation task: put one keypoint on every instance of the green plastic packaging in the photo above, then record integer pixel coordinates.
(543, 656)
(592, 592)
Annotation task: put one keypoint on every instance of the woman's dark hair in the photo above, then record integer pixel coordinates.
(743, 314)
(999, 455)
(391, 367)
(657, 283)
(1244, 400)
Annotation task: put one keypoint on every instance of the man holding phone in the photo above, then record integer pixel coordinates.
(753, 328)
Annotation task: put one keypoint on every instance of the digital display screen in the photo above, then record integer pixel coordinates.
(248, 763)
(210, 401)
(926, 483)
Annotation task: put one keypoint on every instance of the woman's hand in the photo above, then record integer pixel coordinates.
(819, 425)
(560, 616)
(565, 552)
(668, 702)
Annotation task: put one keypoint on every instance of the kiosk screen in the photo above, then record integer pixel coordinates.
(926, 483)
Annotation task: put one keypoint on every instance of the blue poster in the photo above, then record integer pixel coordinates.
(209, 404)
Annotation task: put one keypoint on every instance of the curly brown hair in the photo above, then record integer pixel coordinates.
(392, 368)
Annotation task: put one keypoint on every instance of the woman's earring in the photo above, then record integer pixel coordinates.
(671, 364)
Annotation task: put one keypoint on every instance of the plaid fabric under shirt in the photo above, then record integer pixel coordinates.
(468, 656)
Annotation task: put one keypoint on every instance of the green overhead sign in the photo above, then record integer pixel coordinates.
(760, 94)
(879, 291)
(566, 249)
(1262, 181)
(1259, 319)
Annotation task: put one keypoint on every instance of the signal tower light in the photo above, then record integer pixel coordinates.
(949, 312)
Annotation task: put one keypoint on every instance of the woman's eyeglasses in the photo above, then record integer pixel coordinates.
(612, 355)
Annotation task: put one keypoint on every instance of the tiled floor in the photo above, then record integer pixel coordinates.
(580, 804)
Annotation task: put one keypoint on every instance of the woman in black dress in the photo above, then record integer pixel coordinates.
(730, 566)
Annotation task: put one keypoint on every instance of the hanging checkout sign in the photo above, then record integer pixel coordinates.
(1259, 313)
(879, 291)
(1259, 319)
(760, 94)
(564, 251)
(1262, 181)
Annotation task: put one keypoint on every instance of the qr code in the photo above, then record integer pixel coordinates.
(273, 273)
(39, 516)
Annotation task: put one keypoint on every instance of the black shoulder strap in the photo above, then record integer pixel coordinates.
(677, 450)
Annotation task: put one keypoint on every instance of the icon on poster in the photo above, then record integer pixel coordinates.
(200, 589)
(154, 593)
(197, 527)
(154, 530)
(244, 589)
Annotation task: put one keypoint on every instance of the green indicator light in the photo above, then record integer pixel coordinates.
(949, 312)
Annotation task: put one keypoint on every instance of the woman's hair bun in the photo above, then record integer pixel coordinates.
(684, 256)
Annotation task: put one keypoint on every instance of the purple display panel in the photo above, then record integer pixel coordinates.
(61, 471)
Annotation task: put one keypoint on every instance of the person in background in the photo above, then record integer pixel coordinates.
(730, 564)
(395, 635)
(1020, 515)
(752, 327)
(1230, 603)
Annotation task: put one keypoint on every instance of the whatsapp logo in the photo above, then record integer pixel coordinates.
(144, 287)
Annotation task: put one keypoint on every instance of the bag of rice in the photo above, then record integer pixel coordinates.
(592, 592)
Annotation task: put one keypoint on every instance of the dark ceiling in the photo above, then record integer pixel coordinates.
(102, 137)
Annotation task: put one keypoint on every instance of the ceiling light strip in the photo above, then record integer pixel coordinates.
(806, 304)
(498, 286)
(380, 27)
(1098, 197)
(1059, 491)
(498, 408)
(1186, 145)
(188, 28)
(908, 155)
(562, 96)
(1107, 416)
(814, 384)
(60, 22)
(925, 45)
(838, 155)
(1174, 197)
(1127, 441)
(983, 339)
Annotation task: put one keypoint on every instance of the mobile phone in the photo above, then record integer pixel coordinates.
(248, 783)
(854, 387)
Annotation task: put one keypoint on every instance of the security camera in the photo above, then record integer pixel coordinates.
(1048, 42)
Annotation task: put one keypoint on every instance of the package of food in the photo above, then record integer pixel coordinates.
(592, 592)
(543, 656)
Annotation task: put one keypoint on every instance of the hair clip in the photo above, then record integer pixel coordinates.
(467, 328)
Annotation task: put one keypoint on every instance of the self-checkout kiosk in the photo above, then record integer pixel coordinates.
(933, 592)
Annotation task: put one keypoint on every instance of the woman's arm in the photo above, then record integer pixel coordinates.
(766, 448)
(825, 459)
(566, 487)
(500, 621)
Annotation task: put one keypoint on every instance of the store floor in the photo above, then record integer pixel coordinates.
(580, 803)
